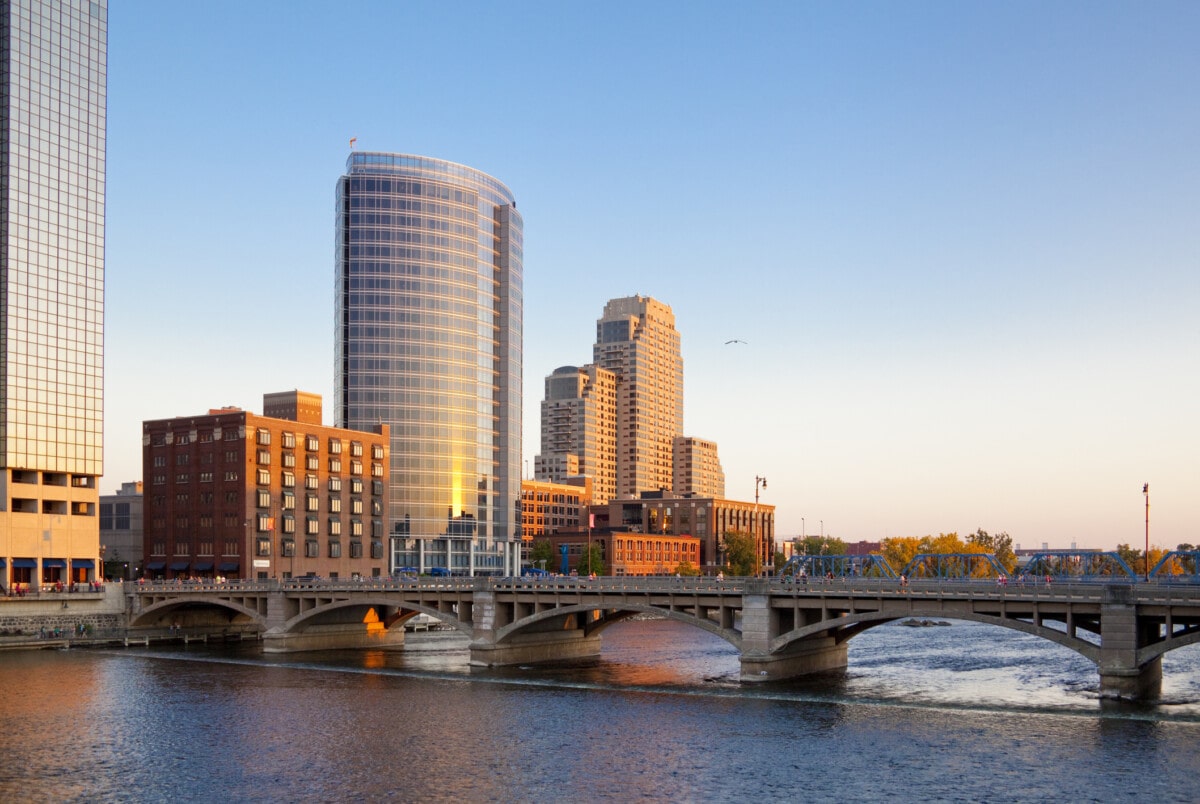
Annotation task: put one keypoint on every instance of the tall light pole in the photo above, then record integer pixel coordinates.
(759, 482)
(1146, 491)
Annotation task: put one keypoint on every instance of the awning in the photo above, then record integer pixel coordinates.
(203, 566)
(155, 566)
(52, 563)
(83, 563)
(228, 566)
(25, 563)
(3, 563)
(177, 566)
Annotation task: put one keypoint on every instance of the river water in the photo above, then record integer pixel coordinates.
(962, 713)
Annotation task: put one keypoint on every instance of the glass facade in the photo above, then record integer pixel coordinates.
(52, 216)
(53, 80)
(428, 318)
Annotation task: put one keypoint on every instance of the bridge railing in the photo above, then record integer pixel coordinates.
(1140, 592)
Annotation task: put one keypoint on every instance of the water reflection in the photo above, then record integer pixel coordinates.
(659, 717)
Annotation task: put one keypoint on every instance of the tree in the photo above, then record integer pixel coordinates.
(542, 551)
(1000, 545)
(740, 553)
(899, 550)
(822, 546)
(687, 569)
(1133, 557)
(595, 564)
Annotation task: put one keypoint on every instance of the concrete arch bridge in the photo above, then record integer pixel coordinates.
(781, 629)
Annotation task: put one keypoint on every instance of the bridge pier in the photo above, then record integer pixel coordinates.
(760, 626)
(1144, 683)
(552, 640)
(816, 655)
(335, 636)
(557, 646)
(1122, 634)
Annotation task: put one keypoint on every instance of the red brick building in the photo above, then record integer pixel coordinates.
(234, 494)
(627, 553)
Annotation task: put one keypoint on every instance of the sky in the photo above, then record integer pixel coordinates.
(961, 241)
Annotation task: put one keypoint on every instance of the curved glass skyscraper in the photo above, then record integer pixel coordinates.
(429, 318)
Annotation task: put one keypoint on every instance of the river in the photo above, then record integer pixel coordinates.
(967, 712)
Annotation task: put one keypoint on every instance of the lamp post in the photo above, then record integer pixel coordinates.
(1146, 491)
(759, 483)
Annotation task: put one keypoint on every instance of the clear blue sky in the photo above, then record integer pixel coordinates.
(962, 240)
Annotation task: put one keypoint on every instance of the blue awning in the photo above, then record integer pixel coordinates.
(203, 566)
(51, 563)
(228, 566)
(3, 563)
(83, 563)
(25, 563)
(154, 566)
(177, 566)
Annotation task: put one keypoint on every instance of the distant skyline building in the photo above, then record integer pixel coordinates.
(637, 341)
(428, 319)
(698, 469)
(579, 429)
(54, 60)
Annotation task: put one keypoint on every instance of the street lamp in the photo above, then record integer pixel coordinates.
(759, 482)
(1146, 491)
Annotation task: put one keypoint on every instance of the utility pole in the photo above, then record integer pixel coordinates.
(1146, 491)
(759, 482)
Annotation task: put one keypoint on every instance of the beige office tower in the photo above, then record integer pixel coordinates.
(636, 340)
(698, 470)
(53, 79)
(579, 429)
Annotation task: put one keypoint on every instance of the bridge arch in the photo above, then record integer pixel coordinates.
(405, 610)
(611, 616)
(1158, 649)
(842, 629)
(155, 613)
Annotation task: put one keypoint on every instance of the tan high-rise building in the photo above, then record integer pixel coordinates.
(579, 429)
(698, 470)
(53, 79)
(637, 341)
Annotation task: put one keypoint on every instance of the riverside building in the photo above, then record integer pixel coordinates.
(53, 79)
(234, 494)
(429, 317)
(707, 519)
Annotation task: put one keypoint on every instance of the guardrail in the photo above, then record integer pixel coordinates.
(977, 589)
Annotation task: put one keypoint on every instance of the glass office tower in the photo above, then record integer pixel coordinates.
(428, 318)
(53, 58)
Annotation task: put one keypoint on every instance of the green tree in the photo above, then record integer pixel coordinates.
(687, 569)
(542, 551)
(822, 546)
(999, 545)
(740, 553)
(593, 565)
(1133, 557)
